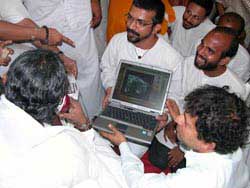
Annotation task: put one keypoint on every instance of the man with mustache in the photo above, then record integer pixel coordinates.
(209, 65)
(191, 24)
(142, 45)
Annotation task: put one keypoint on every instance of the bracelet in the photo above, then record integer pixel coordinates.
(46, 41)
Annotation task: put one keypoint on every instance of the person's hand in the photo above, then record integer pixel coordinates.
(105, 100)
(169, 132)
(162, 121)
(97, 13)
(116, 137)
(175, 156)
(56, 38)
(173, 108)
(5, 52)
(69, 64)
(75, 114)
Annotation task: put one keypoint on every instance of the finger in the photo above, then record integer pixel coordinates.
(106, 135)
(173, 108)
(5, 43)
(68, 41)
(11, 51)
(162, 117)
(65, 115)
(113, 128)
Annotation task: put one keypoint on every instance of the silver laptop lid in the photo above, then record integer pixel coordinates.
(141, 86)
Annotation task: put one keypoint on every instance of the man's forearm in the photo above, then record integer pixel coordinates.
(16, 32)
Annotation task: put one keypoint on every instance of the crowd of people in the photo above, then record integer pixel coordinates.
(48, 52)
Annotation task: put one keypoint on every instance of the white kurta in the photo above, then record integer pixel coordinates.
(206, 170)
(54, 156)
(194, 78)
(240, 64)
(185, 40)
(72, 18)
(161, 55)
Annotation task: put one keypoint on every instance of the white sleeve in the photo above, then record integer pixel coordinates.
(109, 64)
(133, 171)
(13, 11)
(175, 90)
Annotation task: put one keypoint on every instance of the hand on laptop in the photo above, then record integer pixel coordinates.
(116, 137)
(105, 100)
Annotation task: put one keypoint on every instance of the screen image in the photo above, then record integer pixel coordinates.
(141, 86)
(137, 85)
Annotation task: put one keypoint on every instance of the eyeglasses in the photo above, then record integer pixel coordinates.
(190, 14)
(139, 22)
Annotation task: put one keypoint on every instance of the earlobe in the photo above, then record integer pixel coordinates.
(157, 28)
(225, 61)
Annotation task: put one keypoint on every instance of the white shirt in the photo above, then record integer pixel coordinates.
(13, 11)
(240, 64)
(194, 78)
(184, 40)
(161, 55)
(53, 157)
(206, 170)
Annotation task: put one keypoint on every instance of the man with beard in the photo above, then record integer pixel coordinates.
(191, 24)
(142, 45)
(209, 65)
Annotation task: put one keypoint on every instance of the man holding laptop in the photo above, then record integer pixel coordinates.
(141, 44)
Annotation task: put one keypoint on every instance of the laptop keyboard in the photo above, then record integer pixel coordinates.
(146, 121)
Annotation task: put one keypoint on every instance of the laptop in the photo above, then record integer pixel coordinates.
(138, 96)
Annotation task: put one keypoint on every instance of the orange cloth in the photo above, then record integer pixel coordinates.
(117, 10)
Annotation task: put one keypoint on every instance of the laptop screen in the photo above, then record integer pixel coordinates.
(141, 86)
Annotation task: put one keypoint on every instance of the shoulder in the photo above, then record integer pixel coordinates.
(243, 54)
(179, 10)
(167, 49)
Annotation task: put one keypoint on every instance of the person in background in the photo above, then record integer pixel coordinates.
(118, 10)
(191, 24)
(240, 64)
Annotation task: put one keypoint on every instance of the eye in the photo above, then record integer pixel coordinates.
(210, 51)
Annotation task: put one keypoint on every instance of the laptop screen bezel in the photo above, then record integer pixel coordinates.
(136, 106)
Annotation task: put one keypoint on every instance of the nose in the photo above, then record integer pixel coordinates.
(201, 50)
(132, 24)
(189, 18)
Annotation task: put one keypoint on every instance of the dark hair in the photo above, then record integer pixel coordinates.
(234, 45)
(223, 118)
(206, 4)
(152, 5)
(36, 82)
(234, 17)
